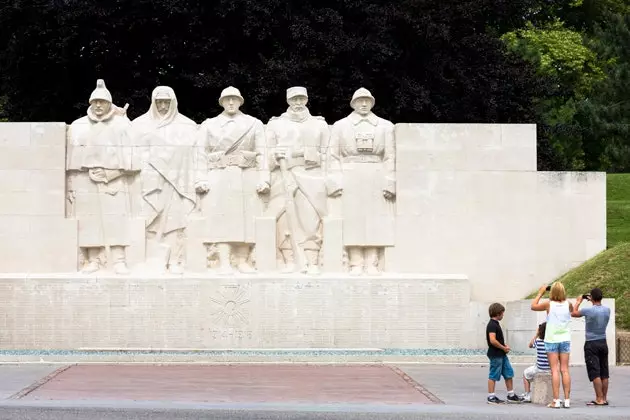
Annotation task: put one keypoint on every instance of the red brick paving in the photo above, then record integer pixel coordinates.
(231, 384)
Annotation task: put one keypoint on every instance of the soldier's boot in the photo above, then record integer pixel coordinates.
(371, 261)
(289, 261)
(225, 262)
(119, 262)
(242, 256)
(355, 260)
(312, 261)
(92, 265)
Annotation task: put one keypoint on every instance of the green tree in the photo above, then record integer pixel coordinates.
(606, 115)
(561, 55)
(424, 61)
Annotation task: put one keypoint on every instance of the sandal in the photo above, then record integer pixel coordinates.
(595, 403)
(555, 404)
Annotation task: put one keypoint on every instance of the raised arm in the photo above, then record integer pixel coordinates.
(536, 304)
(532, 341)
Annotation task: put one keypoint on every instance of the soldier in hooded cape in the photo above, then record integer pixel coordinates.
(234, 172)
(300, 139)
(362, 163)
(165, 140)
(100, 166)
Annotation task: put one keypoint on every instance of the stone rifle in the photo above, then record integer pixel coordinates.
(298, 252)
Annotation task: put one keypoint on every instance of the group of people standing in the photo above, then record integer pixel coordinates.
(231, 169)
(553, 346)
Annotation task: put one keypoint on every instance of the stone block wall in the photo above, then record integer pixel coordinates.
(45, 312)
(34, 234)
(469, 200)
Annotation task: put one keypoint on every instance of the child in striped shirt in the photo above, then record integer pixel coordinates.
(542, 363)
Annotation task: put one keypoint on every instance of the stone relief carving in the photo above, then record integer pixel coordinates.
(362, 169)
(165, 141)
(297, 142)
(100, 165)
(233, 173)
(227, 173)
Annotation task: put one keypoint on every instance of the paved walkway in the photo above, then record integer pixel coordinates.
(396, 392)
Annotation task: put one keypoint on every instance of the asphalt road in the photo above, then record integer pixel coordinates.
(88, 413)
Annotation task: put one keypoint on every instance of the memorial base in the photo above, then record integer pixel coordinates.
(79, 312)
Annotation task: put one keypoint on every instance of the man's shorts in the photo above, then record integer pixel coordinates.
(531, 371)
(564, 347)
(596, 358)
(500, 366)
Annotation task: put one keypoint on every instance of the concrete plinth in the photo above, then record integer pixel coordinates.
(542, 392)
(233, 312)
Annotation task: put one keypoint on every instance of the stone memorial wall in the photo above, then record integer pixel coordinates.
(382, 221)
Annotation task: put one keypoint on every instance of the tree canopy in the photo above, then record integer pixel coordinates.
(562, 64)
(424, 61)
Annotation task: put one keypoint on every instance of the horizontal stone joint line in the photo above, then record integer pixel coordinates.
(32, 387)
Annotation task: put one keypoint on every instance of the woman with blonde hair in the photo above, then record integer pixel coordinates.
(557, 339)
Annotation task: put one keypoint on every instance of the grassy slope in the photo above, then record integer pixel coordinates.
(609, 270)
(618, 208)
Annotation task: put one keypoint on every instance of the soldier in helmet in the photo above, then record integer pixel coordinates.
(233, 174)
(363, 164)
(166, 142)
(297, 142)
(100, 166)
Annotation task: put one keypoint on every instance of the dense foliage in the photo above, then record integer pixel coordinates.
(562, 64)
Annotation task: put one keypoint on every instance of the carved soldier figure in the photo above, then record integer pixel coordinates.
(233, 174)
(165, 140)
(99, 167)
(297, 142)
(362, 158)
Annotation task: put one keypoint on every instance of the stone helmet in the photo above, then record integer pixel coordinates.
(230, 91)
(101, 92)
(296, 91)
(362, 93)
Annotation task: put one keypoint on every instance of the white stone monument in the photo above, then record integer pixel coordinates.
(233, 234)
(101, 166)
(232, 174)
(165, 196)
(362, 164)
(297, 143)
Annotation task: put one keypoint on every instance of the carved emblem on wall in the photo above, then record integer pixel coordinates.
(229, 307)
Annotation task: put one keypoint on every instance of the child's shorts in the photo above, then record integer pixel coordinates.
(500, 366)
(531, 371)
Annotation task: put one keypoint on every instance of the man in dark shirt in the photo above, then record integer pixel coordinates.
(497, 353)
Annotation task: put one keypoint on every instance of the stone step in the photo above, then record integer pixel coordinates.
(323, 356)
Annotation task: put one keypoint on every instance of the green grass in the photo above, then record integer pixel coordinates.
(610, 269)
(618, 208)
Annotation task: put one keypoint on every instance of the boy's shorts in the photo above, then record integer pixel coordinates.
(500, 366)
(531, 371)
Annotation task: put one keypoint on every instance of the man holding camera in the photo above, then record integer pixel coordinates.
(595, 347)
